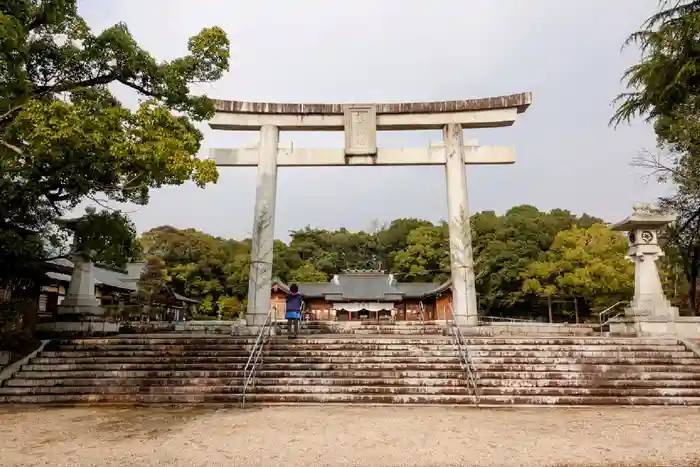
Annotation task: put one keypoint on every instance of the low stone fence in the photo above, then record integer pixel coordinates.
(206, 327)
(521, 328)
(684, 327)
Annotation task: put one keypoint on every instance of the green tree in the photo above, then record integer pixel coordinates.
(504, 248)
(230, 307)
(65, 138)
(588, 266)
(151, 284)
(307, 272)
(197, 263)
(664, 88)
(426, 256)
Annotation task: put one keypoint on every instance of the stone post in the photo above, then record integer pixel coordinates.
(643, 228)
(260, 282)
(80, 297)
(464, 307)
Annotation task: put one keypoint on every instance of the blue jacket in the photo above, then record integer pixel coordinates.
(294, 302)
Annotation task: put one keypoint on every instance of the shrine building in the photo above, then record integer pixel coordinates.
(368, 295)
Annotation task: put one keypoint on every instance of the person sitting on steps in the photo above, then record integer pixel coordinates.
(295, 304)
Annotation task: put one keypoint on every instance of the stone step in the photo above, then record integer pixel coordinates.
(261, 373)
(163, 339)
(278, 346)
(510, 341)
(407, 331)
(233, 367)
(116, 374)
(121, 389)
(483, 391)
(471, 347)
(275, 355)
(359, 366)
(334, 398)
(352, 389)
(447, 352)
(693, 363)
(632, 374)
(261, 381)
(480, 354)
(584, 382)
(158, 339)
(242, 359)
(577, 367)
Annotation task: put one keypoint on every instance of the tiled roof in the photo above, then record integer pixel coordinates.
(365, 286)
(110, 277)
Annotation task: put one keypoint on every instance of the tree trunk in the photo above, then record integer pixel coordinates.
(549, 308)
(576, 309)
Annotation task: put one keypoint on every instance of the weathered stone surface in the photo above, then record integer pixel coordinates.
(520, 101)
(371, 369)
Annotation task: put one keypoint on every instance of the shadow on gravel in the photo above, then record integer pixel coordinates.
(150, 422)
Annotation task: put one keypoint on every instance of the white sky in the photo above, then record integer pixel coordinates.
(567, 53)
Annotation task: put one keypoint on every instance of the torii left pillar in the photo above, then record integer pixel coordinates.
(360, 122)
(260, 281)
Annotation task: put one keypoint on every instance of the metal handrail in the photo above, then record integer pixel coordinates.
(609, 320)
(465, 360)
(256, 353)
(608, 310)
(485, 319)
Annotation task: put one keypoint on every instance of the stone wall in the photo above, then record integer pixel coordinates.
(206, 327)
(532, 329)
(681, 326)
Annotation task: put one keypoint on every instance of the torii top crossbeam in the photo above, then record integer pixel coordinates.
(472, 113)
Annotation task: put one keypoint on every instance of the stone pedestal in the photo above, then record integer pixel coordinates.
(80, 298)
(649, 309)
(80, 312)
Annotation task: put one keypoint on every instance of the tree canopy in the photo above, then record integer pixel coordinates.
(586, 264)
(65, 138)
(510, 253)
(664, 88)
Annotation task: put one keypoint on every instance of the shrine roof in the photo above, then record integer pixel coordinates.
(370, 287)
(520, 101)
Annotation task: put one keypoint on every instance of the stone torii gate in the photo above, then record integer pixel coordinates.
(360, 122)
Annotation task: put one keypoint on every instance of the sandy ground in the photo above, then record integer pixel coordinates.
(348, 436)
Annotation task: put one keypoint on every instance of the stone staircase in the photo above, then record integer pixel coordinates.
(358, 368)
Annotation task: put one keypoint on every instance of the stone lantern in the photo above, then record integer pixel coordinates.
(643, 234)
(80, 311)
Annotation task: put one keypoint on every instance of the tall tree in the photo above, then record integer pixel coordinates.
(426, 256)
(65, 138)
(587, 266)
(664, 87)
(505, 246)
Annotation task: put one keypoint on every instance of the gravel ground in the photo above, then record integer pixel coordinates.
(348, 436)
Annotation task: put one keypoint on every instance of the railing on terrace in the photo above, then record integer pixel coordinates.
(256, 353)
(498, 319)
(465, 359)
(608, 311)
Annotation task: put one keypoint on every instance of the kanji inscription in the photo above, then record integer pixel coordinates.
(360, 130)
